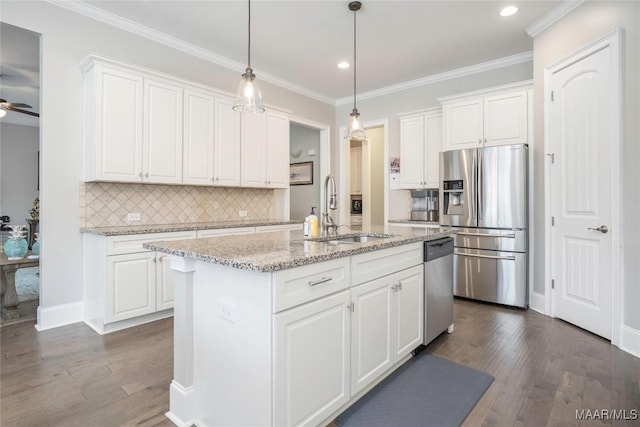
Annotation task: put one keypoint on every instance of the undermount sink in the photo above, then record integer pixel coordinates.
(360, 238)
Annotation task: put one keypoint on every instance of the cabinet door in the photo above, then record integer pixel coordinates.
(117, 126)
(371, 332)
(227, 150)
(463, 125)
(412, 135)
(506, 118)
(409, 310)
(199, 139)
(433, 146)
(164, 282)
(131, 286)
(277, 150)
(253, 170)
(162, 133)
(311, 361)
(355, 171)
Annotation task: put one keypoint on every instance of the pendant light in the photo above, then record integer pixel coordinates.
(249, 97)
(355, 131)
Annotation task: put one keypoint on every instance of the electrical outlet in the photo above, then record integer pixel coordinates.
(242, 214)
(228, 311)
(133, 216)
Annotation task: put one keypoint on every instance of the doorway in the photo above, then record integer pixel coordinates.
(364, 178)
(583, 187)
(20, 162)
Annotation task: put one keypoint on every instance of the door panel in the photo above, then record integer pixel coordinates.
(459, 165)
(581, 140)
(502, 186)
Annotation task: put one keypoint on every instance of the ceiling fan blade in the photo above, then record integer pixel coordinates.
(19, 110)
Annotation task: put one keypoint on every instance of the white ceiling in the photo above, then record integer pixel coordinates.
(299, 43)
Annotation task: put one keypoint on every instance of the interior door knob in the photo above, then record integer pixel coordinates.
(603, 229)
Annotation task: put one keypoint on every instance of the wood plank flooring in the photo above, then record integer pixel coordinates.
(545, 369)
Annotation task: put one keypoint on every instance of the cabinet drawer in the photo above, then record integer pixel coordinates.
(133, 242)
(302, 284)
(225, 231)
(371, 265)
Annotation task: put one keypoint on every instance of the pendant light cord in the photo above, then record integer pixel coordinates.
(354, 59)
(249, 44)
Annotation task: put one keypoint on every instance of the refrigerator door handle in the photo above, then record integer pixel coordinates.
(508, 258)
(464, 233)
(480, 183)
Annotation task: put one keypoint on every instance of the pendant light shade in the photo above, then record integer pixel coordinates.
(355, 131)
(249, 96)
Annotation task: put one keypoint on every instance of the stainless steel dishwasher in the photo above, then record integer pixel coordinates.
(438, 288)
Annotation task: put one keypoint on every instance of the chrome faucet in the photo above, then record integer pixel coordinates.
(330, 202)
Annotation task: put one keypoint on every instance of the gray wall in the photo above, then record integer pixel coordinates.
(302, 197)
(66, 40)
(18, 170)
(584, 25)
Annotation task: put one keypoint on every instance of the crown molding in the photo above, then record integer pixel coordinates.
(448, 75)
(108, 18)
(552, 17)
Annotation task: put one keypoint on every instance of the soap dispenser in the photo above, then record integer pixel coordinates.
(313, 223)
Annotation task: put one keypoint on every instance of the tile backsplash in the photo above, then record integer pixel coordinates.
(104, 204)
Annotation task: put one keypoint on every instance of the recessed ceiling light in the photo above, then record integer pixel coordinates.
(343, 65)
(508, 11)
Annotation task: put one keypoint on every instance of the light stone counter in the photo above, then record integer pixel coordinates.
(165, 228)
(415, 222)
(267, 252)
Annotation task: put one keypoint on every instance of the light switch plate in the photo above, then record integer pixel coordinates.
(242, 214)
(133, 216)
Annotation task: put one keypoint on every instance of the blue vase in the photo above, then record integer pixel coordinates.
(35, 249)
(16, 248)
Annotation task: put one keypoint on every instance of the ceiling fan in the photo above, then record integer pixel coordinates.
(18, 107)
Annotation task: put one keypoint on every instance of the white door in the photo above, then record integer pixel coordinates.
(582, 142)
(131, 286)
(355, 171)
(199, 139)
(408, 286)
(432, 148)
(412, 152)
(371, 332)
(253, 169)
(311, 361)
(164, 282)
(227, 151)
(277, 150)
(463, 125)
(506, 118)
(162, 133)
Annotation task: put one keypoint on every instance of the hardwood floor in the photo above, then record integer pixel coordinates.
(545, 369)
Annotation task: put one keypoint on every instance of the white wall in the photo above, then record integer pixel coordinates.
(66, 39)
(303, 197)
(584, 25)
(18, 170)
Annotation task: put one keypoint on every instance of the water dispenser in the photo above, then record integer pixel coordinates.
(452, 195)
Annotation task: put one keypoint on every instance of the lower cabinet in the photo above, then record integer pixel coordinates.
(386, 324)
(311, 361)
(131, 286)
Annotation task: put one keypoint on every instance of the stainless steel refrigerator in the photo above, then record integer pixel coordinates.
(484, 195)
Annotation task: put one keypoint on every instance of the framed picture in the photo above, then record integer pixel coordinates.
(301, 173)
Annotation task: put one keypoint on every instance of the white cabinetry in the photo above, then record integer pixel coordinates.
(355, 172)
(113, 124)
(265, 150)
(162, 133)
(227, 144)
(496, 116)
(198, 138)
(386, 324)
(311, 361)
(420, 146)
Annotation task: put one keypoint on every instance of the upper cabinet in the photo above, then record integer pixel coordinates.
(265, 150)
(144, 127)
(497, 116)
(420, 146)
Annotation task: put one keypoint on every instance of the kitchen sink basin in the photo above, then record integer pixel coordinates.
(359, 238)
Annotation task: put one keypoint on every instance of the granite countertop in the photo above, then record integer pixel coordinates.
(415, 221)
(165, 228)
(280, 250)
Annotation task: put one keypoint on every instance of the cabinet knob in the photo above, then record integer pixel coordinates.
(146, 175)
(485, 140)
(217, 179)
(479, 141)
(140, 175)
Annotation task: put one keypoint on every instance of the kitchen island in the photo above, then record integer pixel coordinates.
(275, 329)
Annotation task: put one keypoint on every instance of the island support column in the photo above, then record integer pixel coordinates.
(181, 393)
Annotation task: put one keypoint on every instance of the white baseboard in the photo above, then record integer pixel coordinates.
(537, 302)
(59, 315)
(182, 405)
(630, 340)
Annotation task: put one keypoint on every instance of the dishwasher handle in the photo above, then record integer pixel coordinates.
(435, 249)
